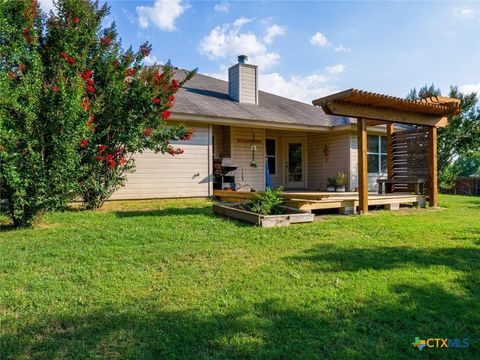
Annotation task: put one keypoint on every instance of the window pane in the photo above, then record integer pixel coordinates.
(384, 163)
(372, 164)
(384, 144)
(271, 165)
(270, 146)
(295, 171)
(372, 144)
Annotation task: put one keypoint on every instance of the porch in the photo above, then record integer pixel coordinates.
(346, 203)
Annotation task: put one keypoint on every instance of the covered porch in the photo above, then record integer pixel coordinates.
(411, 155)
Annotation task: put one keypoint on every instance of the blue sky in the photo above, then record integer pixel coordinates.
(307, 49)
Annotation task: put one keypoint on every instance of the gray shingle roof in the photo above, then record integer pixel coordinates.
(205, 95)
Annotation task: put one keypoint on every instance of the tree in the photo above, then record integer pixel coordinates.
(132, 106)
(40, 111)
(52, 118)
(468, 165)
(462, 134)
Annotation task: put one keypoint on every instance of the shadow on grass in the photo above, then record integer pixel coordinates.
(379, 328)
(338, 259)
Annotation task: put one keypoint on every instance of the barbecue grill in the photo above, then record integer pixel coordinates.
(223, 173)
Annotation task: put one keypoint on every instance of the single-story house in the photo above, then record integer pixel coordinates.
(233, 119)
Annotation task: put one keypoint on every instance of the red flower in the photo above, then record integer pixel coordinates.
(105, 40)
(90, 89)
(11, 74)
(99, 158)
(55, 88)
(111, 164)
(90, 120)
(87, 74)
(122, 161)
(102, 148)
(90, 82)
(83, 143)
(188, 135)
(64, 55)
(71, 60)
(175, 84)
(115, 63)
(130, 72)
(172, 97)
(22, 67)
(156, 100)
(166, 114)
(148, 132)
(145, 50)
(179, 151)
(76, 19)
(119, 151)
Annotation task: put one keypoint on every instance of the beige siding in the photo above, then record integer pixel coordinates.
(248, 84)
(245, 174)
(320, 168)
(164, 176)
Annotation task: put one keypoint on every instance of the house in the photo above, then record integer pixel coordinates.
(232, 119)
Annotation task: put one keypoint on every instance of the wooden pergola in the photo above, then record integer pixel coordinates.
(373, 109)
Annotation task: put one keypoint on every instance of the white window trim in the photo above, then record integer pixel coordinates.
(379, 156)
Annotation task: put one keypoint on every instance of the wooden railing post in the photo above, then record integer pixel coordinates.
(390, 130)
(432, 167)
(362, 166)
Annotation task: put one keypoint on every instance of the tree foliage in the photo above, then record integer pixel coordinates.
(74, 107)
(461, 136)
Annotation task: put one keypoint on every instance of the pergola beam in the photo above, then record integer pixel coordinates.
(382, 114)
(362, 165)
(432, 167)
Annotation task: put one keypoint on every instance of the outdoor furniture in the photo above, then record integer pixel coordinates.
(418, 183)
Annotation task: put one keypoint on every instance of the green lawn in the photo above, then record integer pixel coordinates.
(168, 279)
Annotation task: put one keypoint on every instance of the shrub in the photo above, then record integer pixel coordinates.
(266, 203)
(341, 179)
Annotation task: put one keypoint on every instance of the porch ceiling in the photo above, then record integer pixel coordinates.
(432, 111)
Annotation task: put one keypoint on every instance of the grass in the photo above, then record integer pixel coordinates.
(168, 279)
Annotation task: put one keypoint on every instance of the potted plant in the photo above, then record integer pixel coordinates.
(340, 181)
(331, 184)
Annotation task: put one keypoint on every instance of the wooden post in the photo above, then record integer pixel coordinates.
(432, 167)
(362, 166)
(390, 130)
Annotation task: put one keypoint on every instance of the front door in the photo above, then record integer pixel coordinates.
(295, 165)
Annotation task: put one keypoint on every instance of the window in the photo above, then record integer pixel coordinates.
(377, 154)
(270, 147)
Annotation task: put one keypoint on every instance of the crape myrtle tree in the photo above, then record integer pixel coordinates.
(40, 113)
(131, 107)
(461, 137)
(64, 84)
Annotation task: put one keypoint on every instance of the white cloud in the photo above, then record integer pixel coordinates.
(336, 69)
(301, 88)
(223, 6)
(469, 88)
(341, 48)
(319, 39)
(464, 12)
(272, 32)
(162, 14)
(227, 42)
(46, 5)
(151, 60)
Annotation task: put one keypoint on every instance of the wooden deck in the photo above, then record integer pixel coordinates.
(346, 202)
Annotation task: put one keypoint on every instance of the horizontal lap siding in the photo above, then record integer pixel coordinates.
(242, 155)
(166, 176)
(320, 168)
